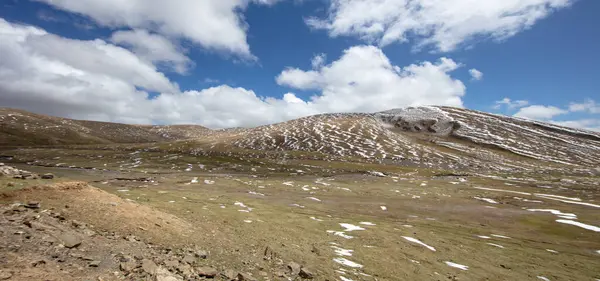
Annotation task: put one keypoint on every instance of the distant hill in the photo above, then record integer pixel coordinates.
(22, 128)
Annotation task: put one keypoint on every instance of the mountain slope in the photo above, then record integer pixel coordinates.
(438, 137)
(18, 127)
(432, 136)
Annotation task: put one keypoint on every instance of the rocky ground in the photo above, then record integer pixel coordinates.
(44, 244)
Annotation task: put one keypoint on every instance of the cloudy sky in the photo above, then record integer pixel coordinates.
(229, 63)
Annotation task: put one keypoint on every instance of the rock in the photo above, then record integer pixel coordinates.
(184, 269)
(316, 250)
(77, 224)
(229, 275)
(245, 277)
(128, 266)
(162, 274)
(207, 272)
(149, 266)
(38, 262)
(10, 184)
(94, 263)
(32, 205)
(294, 268)
(69, 240)
(306, 274)
(47, 176)
(5, 275)
(201, 254)
(172, 263)
(269, 254)
(190, 259)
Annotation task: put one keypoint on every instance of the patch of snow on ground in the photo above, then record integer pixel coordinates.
(342, 252)
(502, 190)
(247, 221)
(194, 180)
(527, 200)
(297, 205)
(240, 204)
(456, 265)
(347, 262)
(340, 234)
(366, 223)
(345, 279)
(543, 278)
(256, 193)
(417, 241)
(486, 200)
(552, 251)
(579, 224)
(484, 237)
(350, 227)
(557, 196)
(315, 219)
(500, 236)
(495, 245)
(556, 212)
(572, 202)
(209, 182)
(288, 183)
(384, 208)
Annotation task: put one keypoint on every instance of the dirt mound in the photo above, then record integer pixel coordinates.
(107, 211)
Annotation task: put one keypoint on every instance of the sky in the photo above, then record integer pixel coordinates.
(243, 63)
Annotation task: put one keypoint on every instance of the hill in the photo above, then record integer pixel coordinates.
(22, 128)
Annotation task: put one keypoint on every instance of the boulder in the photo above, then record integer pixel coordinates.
(149, 266)
(47, 176)
(306, 274)
(294, 268)
(69, 240)
(207, 272)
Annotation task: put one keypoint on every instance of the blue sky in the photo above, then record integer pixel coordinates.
(541, 53)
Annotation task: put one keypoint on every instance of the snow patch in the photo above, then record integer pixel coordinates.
(456, 265)
(417, 241)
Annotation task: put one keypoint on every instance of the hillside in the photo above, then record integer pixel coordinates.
(20, 128)
(440, 137)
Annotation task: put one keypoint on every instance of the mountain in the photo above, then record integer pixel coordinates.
(440, 137)
(22, 128)
(432, 137)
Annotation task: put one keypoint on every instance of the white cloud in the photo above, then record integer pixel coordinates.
(588, 124)
(475, 74)
(299, 79)
(154, 48)
(540, 112)
(364, 80)
(214, 24)
(97, 80)
(444, 24)
(510, 103)
(318, 61)
(589, 106)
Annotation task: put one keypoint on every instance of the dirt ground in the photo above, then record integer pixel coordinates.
(334, 220)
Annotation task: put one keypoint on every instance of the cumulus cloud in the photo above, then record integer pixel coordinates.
(540, 112)
(98, 80)
(510, 104)
(213, 24)
(364, 79)
(475, 74)
(443, 24)
(154, 48)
